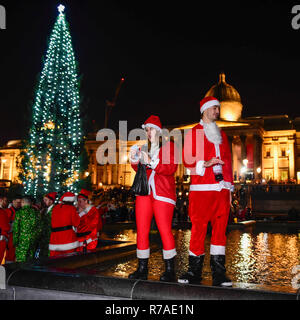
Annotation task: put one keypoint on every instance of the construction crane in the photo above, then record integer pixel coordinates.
(112, 103)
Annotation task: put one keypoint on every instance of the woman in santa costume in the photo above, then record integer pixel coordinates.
(64, 222)
(159, 158)
(207, 154)
(89, 220)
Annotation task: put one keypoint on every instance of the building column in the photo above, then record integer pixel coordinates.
(243, 148)
(291, 161)
(230, 140)
(257, 155)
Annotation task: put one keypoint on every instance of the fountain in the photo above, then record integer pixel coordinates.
(252, 256)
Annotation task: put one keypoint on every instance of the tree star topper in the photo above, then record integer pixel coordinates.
(61, 8)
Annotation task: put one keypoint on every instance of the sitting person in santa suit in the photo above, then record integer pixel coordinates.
(159, 157)
(207, 154)
(89, 222)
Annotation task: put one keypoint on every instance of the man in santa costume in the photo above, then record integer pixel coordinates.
(64, 223)
(89, 219)
(46, 214)
(161, 166)
(208, 156)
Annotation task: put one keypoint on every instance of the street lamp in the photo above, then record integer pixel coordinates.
(258, 170)
(245, 162)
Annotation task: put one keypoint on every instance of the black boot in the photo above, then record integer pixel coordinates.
(141, 272)
(169, 274)
(217, 264)
(194, 273)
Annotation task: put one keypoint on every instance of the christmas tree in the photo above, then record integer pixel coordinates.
(52, 158)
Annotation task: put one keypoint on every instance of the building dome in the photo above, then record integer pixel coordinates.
(231, 104)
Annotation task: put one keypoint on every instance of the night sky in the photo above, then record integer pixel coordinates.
(170, 54)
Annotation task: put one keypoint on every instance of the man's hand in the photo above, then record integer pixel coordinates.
(146, 157)
(212, 162)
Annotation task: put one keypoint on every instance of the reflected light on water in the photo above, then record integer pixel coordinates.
(261, 259)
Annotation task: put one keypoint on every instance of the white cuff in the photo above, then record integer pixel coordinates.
(143, 254)
(169, 254)
(217, 250)
(136, 157)
(153, 163)
(200, 170)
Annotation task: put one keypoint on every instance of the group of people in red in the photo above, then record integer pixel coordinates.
(72, 229)
(206, 153)
(62, 228)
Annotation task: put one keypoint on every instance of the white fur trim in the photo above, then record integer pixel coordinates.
(69, 199)
(151, 125)
(209, 104)
(169, 254)
(63, 247)
(143, 254)
(153, 163)
(217, 250)
(85, 211)
(212, 187)
(88, 241)
(136, 157)
(151, 184)
(200, 170)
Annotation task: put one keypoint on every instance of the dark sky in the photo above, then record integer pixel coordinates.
(170, 54)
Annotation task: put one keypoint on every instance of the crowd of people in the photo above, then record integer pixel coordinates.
(53, 227)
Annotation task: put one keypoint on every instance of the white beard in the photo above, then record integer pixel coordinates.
(212, 132)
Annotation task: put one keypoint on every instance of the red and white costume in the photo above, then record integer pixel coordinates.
(161, 199)
(11, 250)
(209, 200)
(87, 231)
(64, 222)
(88, 228)
(4, 230)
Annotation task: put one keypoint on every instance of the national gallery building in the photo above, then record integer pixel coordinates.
(264, 148)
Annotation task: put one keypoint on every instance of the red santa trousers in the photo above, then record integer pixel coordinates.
(205, 206)
(2, 249)
(145, 208)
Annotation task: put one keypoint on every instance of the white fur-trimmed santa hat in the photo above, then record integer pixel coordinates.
(153, 122)
(68, 196)
(208, 102)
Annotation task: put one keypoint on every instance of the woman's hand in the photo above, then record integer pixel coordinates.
(212, 162)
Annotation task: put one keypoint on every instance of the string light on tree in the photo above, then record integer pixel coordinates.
(55, 144)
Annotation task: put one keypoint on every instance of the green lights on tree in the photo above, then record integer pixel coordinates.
(55, 144)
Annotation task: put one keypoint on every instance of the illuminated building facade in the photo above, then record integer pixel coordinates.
(264, 148)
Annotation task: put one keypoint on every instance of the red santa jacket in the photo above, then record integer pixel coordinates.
(4, 225)
(160, 174)
(64, 221)
(203, 179)
(88, 226)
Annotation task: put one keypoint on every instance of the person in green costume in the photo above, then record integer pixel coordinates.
(26, 230)
(46, 213)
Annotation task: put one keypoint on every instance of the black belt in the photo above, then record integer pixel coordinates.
(82, 234)
(61, 228)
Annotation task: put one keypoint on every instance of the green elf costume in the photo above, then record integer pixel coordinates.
(26, 230)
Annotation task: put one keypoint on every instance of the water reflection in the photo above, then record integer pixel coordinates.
(264, 259)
